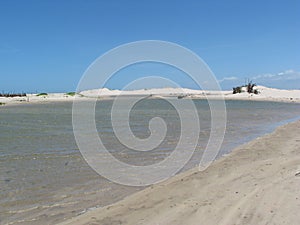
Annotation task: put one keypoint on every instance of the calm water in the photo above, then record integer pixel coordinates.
(44, 179)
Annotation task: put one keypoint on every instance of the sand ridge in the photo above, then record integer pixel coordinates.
(265, 94)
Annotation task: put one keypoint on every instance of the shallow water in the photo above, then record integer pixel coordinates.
(44, 179)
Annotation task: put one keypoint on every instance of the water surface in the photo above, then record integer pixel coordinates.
(44, 179)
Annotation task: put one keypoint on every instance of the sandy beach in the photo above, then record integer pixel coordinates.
(257, 183)
(265, 94)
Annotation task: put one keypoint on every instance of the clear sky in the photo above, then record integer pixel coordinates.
(47, 45)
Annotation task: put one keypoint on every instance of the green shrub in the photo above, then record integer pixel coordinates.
(42, 94)
(2, 103)
(71, 93)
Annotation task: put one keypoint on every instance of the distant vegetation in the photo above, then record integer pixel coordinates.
(2, 103)
(12, 94)
(249, 88)
(71, 93)
(42, 94)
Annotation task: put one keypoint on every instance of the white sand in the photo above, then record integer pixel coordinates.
(268, 94)
(258, 183)
(33, 98)
(265, 94)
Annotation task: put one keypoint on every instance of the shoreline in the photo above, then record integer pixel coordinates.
(262, 173)
(265, 94)
(49, 100)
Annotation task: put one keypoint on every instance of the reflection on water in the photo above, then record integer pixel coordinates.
(44, 179)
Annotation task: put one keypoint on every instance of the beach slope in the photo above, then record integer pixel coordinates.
(258, 183)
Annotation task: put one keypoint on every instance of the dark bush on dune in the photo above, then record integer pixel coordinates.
(237, 90)
(12, 95)
(249, 87)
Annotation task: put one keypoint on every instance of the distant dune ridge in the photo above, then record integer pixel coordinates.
(265, 94)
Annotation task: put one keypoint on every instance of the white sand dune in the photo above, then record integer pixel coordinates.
(258, 183)
(154, 91)
(268, 94)
(265, 94)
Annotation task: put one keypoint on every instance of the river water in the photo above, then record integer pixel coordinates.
(44, 178)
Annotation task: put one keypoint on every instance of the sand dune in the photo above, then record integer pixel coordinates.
(265, 94)
(258, 183)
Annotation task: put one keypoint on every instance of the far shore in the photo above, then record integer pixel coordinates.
(264, 94)
(257, 183)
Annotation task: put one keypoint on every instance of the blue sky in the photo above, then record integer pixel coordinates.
(47, 45)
